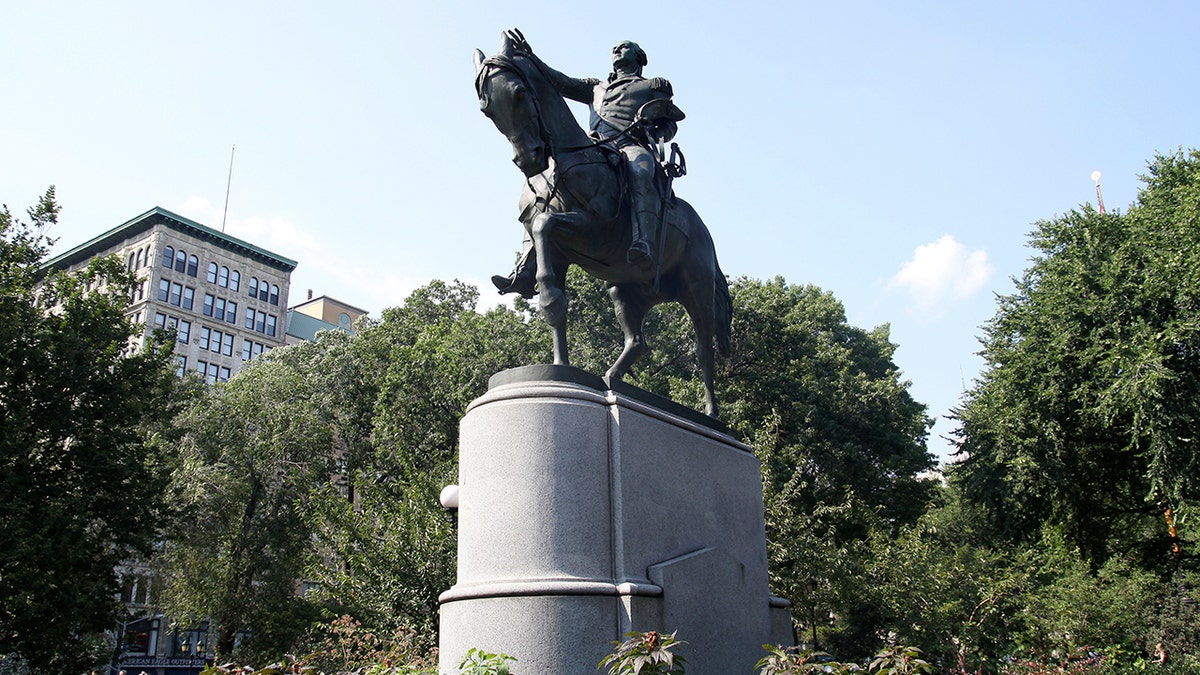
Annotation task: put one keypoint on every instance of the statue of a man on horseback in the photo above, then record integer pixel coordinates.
(631, 113)
(593, 199)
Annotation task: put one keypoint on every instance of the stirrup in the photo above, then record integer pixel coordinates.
(639, 252)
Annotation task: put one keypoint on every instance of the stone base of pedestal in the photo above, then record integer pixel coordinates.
(587, 510)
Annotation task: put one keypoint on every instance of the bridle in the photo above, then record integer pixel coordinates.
(501, 62)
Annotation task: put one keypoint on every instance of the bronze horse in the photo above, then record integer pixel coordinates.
(575, 211)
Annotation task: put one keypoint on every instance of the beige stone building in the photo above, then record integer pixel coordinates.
(225, 298)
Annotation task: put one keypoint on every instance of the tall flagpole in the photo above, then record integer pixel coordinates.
(230, 182)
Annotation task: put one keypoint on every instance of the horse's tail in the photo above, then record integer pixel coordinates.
(722, 310)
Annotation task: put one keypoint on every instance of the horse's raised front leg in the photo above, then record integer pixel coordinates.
(631, 307)
(551, 297)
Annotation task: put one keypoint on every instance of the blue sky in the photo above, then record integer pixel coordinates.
(895, 154)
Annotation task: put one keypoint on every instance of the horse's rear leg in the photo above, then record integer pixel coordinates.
(697, 298)
(631, 307)
(704, 354)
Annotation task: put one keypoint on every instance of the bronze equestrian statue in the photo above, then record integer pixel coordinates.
(604, 202)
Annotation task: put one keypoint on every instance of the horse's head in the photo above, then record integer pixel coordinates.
(508, 99)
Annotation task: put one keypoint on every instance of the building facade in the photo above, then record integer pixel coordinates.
(226, 299)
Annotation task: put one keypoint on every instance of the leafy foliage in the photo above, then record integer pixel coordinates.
(899, 660)
(81, 407)
(792, 661)
(479, 662)
(649, 653)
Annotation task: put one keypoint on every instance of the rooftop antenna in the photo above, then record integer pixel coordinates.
(1099, 197)
(230, 182)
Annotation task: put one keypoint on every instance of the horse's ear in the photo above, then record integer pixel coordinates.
(478, 61)
(506, 43)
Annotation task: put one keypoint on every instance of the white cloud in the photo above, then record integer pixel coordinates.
(274, 233)
(321, 268)
(942, 271)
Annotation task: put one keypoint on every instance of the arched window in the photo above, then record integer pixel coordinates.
(274, 294)
(180, 261)
(131, 258)
(223, 278)
(168, 257)
(193, 266)
(212, 272)
(235, 281)
(253, 287)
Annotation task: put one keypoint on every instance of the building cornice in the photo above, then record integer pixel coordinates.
(174, 221)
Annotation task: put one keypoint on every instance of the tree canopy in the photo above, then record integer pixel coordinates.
(1086, 417)
(81, 408)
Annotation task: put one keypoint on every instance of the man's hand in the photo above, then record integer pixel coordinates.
(519, 41)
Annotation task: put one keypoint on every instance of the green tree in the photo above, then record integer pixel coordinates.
(842, 444)
(1085, 416)
(82, 480)
(253, 450)
(1079, 438)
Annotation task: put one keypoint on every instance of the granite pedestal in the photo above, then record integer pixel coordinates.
(588, 509)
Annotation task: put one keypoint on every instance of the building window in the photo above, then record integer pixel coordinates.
(231, 312)
(274, 294)
(205, 334)
(130, 263)
(208, 304)
(213, 372)
(141, 290)
(223, 277)
(193, 266)
(168, 257)
(176, 294)
(141, 259)
(184, 331)
(214, 344)
(160, 320)
(261, 324)
(271, 325)
(247, 349)
(212, 273)
(263, 291)
(253, 286)
(235, 280)
(219, 309)
(189, 297)
(250, 318)
(227, 346)
(180, 261)
(180, 366)
(224, 376)
(164, 290)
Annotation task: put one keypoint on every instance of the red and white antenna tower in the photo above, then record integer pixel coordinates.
(1099, 197)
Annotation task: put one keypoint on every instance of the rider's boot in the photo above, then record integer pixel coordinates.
(522, 280)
